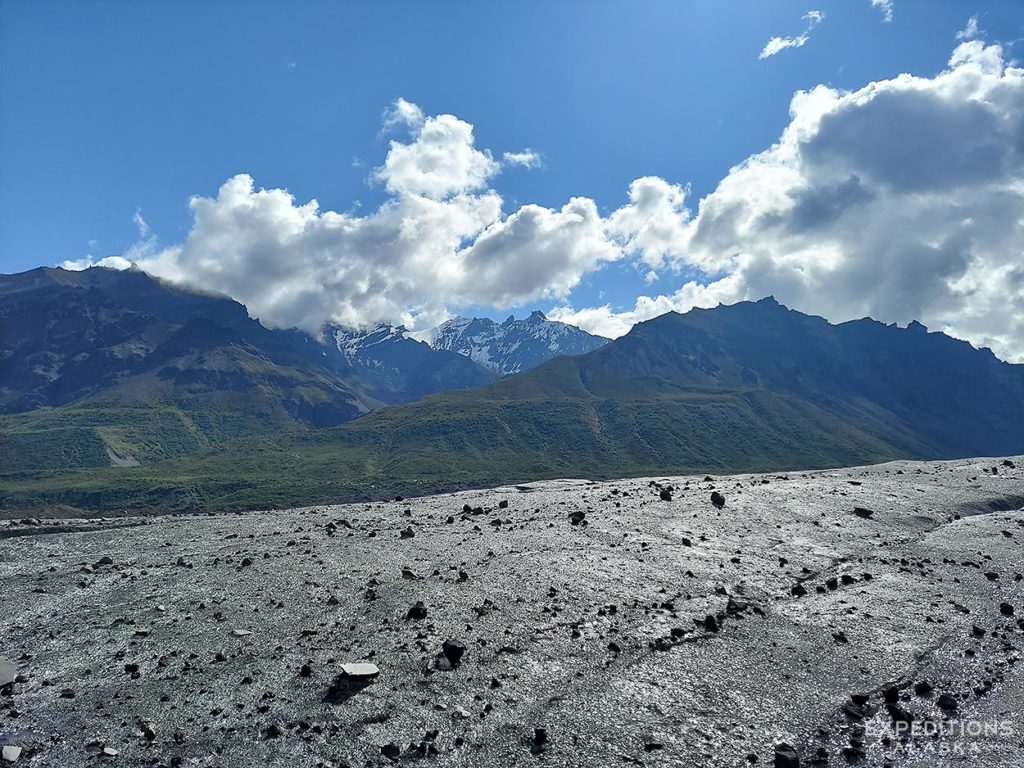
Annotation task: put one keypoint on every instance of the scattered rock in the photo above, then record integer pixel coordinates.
(786, 756)
(717, 499)
(417, 612)
(540, 738)
(453, 651)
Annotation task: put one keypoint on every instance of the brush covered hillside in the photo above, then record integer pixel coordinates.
(748, 387)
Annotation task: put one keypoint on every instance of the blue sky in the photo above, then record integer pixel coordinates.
(109, 108)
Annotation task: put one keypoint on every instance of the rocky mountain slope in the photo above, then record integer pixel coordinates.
(669, 621)
(513, 346)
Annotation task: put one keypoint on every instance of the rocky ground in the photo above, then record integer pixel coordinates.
(680, 621)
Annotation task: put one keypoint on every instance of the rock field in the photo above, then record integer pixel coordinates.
(790, 619)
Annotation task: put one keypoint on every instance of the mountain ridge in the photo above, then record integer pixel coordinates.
(753, 386)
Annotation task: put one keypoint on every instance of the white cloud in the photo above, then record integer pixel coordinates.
(528, 158)
(538, 252)
(144, 246)
(110, 262)
(440, 240)
(652, 225)
(440, 161)
(970, 30)
(902, 200)
(778, 44)
(604, 321)
(402, 114)
(886, 7)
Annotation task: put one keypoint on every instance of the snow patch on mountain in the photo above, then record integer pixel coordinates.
(514, 345)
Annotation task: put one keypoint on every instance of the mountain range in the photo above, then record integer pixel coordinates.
(221, 412)
(139, 369)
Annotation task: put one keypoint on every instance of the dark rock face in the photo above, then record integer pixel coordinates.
(503, 645)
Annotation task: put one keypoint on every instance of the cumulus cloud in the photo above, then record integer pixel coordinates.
(901, 200)
(606, 321)
(440, 240)
(777, 44)
(652, 225)
(528, 158)
(441, 159)
(110, 262)
(885, 6)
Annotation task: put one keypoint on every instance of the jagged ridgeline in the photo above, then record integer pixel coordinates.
(105, 369)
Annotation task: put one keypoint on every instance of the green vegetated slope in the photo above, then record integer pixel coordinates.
(441, 445)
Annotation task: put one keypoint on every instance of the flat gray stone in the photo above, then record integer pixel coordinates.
(360, 670)
(7, 672)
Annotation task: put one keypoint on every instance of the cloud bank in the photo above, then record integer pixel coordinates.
(901, 200)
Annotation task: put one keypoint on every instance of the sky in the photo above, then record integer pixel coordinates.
(603, 162)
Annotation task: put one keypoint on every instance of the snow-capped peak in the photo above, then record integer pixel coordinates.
(513, 345)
